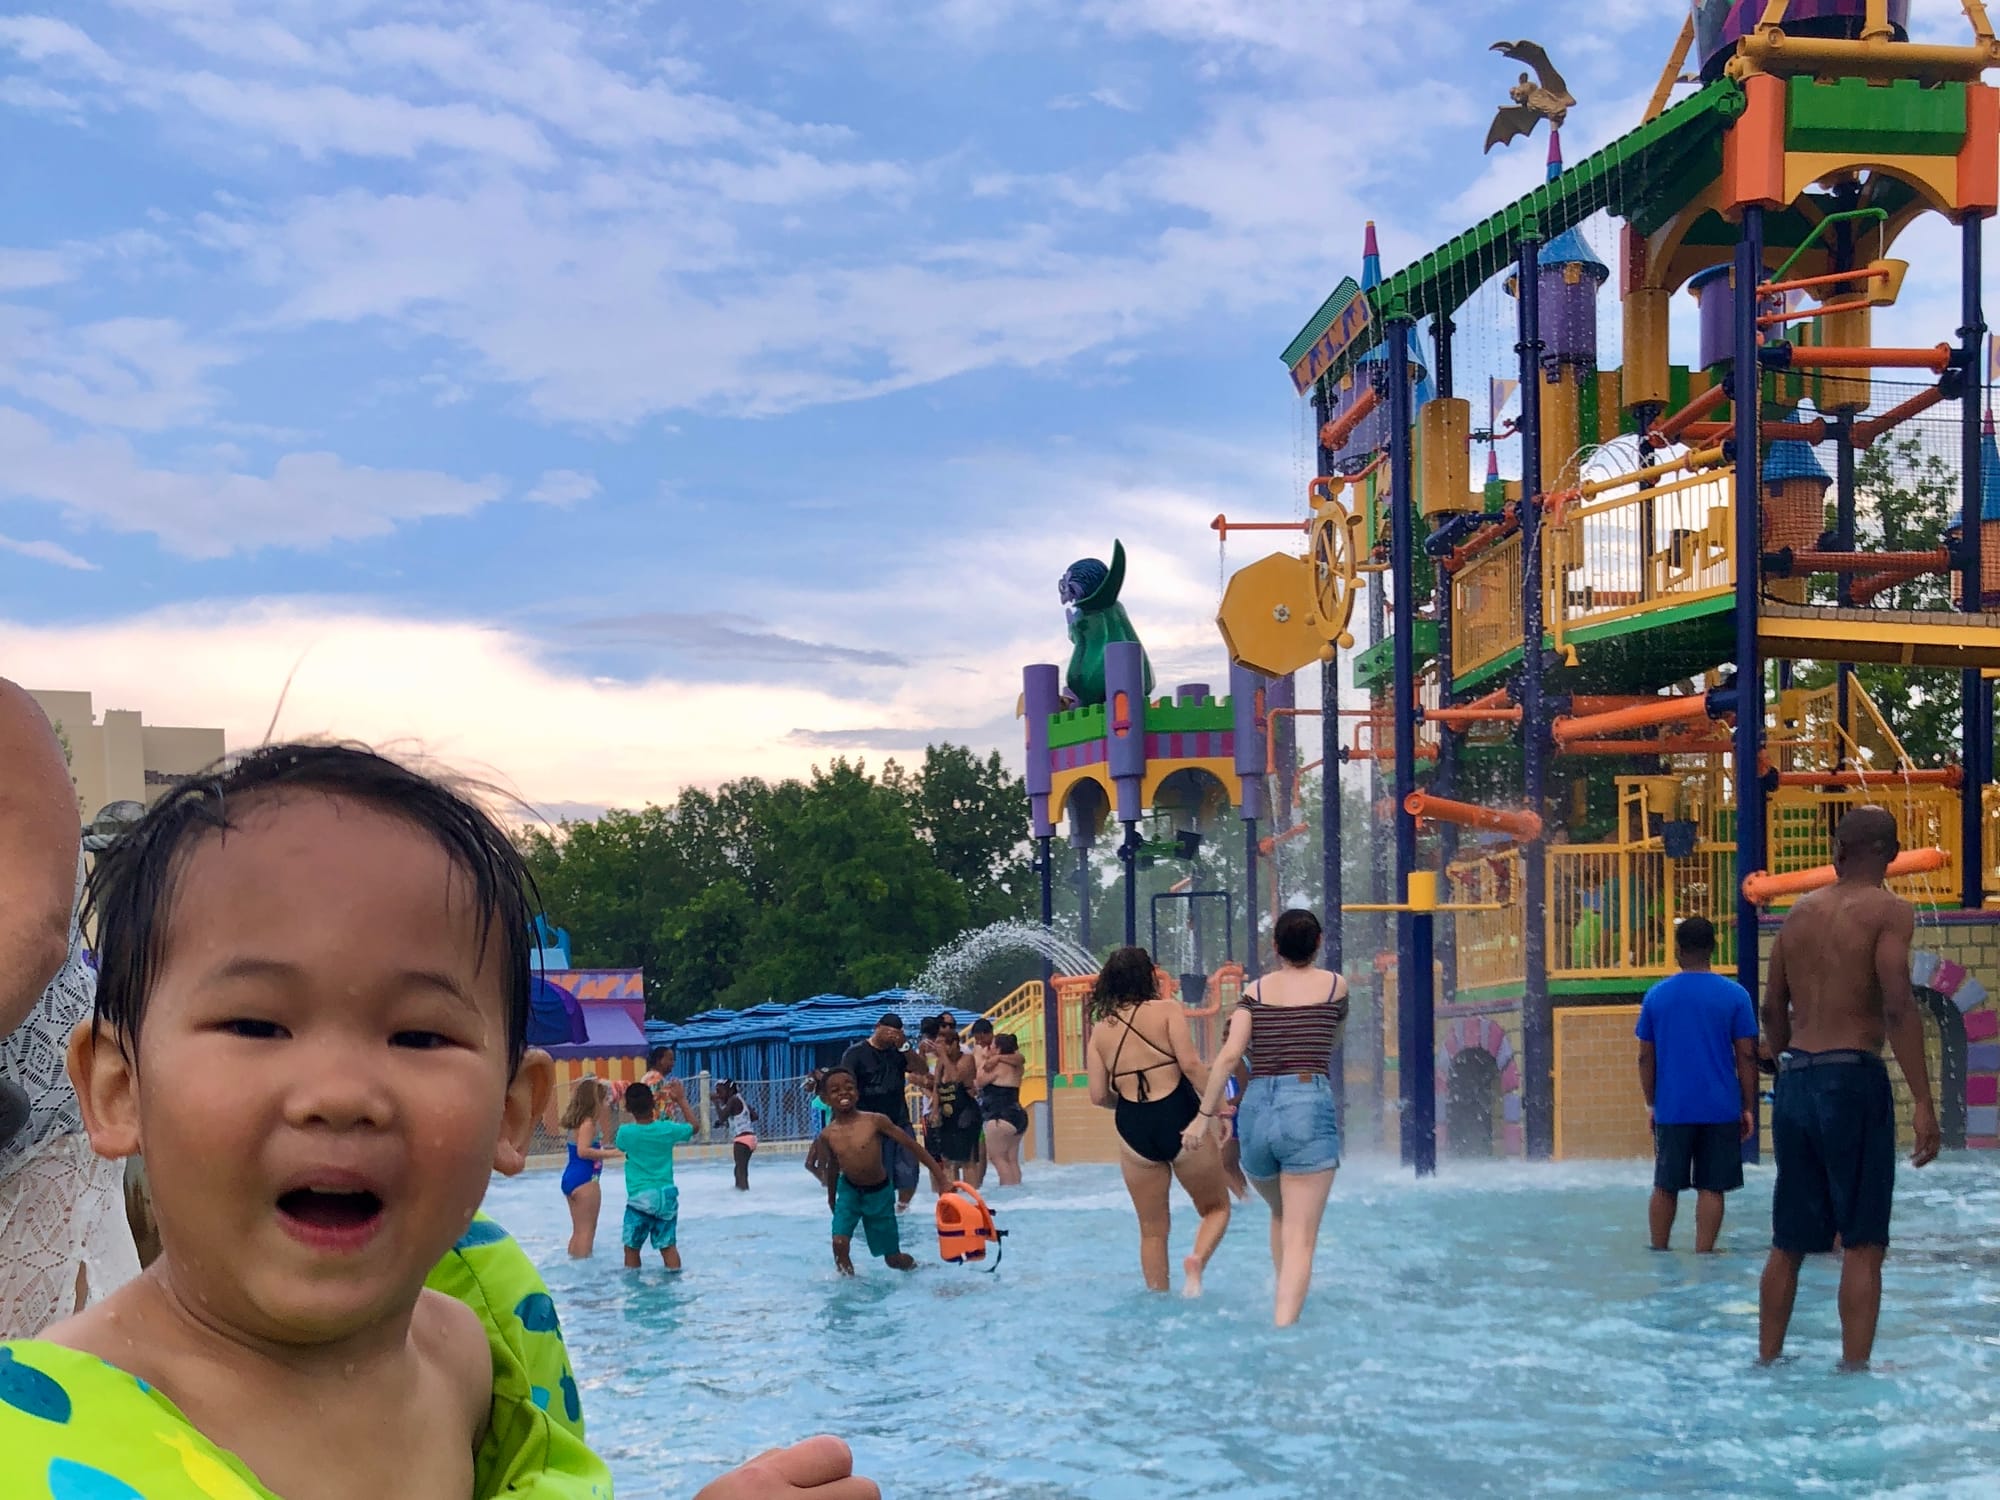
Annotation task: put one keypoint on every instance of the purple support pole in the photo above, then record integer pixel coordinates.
(1282, 692)
(1444, 779)
(1747, 746)
(1329, 816)
(1538, 1107)
(1246, 694)
(1413, 953)
(1041, 695)
(1976, 727)
(1125, 739)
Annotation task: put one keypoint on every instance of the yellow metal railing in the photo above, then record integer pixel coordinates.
(1072, 994)
(1490, 943)
(1486, 607)
(1613, 907)
(1801, 822)
(1637, 551)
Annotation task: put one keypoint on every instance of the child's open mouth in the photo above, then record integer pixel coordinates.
(330, 1218)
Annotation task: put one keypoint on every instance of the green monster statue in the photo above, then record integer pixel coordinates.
(1096, 618)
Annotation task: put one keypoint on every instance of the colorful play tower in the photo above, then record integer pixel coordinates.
(1587, 700)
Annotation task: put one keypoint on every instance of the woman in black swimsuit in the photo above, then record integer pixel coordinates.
(1143, 1067)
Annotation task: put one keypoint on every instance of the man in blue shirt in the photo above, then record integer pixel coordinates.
(1698, 1070)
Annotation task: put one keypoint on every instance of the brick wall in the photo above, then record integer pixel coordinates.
(1599, 1109)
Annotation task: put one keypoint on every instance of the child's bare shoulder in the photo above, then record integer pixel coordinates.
(122, 1330)
(451, 1341)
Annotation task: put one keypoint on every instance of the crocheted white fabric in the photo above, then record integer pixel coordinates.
(62, 1208)
(61, 1214)
(34, 1055)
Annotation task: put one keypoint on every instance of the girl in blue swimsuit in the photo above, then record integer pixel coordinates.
(583, 1123)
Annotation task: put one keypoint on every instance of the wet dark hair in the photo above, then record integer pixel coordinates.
(1008, 1043)
(638, 1101)
(1695, 935)
(1127, 976)
(833, 1073)
(132, 887)
(981, 1027)
(929, 1027)
(1296, 935)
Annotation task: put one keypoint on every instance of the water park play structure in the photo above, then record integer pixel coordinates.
(1594, 706)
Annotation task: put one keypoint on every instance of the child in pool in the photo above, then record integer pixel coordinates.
(864, 1194)
(652, 1202)
(311, 1018)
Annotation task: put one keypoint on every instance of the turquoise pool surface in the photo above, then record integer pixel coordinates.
(1498, 1330)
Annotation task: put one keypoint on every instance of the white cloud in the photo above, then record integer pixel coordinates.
(307, 500)
(142, 374)
(59, 45)
(324, 119)
(27, 270)
(47, 552)
(564, 487)
(453, 688)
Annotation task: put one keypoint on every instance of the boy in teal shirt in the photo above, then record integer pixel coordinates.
(652, 1202)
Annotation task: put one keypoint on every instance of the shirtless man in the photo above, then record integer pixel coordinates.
(1840, 983)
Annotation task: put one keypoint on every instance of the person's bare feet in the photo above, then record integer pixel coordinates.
(1191, 1277)
(900, 1262)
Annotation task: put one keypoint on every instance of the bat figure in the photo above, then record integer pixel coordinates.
(1543, 97)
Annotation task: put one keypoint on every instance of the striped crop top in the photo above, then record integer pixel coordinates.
(1292, 1039)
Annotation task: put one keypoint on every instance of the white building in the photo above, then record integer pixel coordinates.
(121, 757)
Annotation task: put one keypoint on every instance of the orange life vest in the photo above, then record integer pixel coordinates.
(965, 1226)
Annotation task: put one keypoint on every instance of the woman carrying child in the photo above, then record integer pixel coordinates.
(583, 1122)
(1001, 1068)
(1144, 1068)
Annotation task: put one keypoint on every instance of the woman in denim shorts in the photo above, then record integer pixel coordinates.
(1288, 1023)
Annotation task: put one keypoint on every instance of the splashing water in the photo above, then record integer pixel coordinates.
(952, 965)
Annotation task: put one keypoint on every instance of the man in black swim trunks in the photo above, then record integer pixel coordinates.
(1840, 983)
(881, 1067)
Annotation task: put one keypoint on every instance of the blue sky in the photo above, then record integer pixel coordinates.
(611, 396)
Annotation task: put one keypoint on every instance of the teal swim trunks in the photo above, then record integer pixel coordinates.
(653, 1215)
(874, 1209)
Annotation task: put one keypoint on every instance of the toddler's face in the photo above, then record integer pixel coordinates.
(322, 1069)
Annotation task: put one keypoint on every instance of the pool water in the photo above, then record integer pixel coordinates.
(1497, 1330)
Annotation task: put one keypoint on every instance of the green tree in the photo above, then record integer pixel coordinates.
(761, 891)
(1905, 497)
(857, 903)
(973, 815)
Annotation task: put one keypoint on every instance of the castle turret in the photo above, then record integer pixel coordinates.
(1571, 276)
(1371, 434)
(1567, 283)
